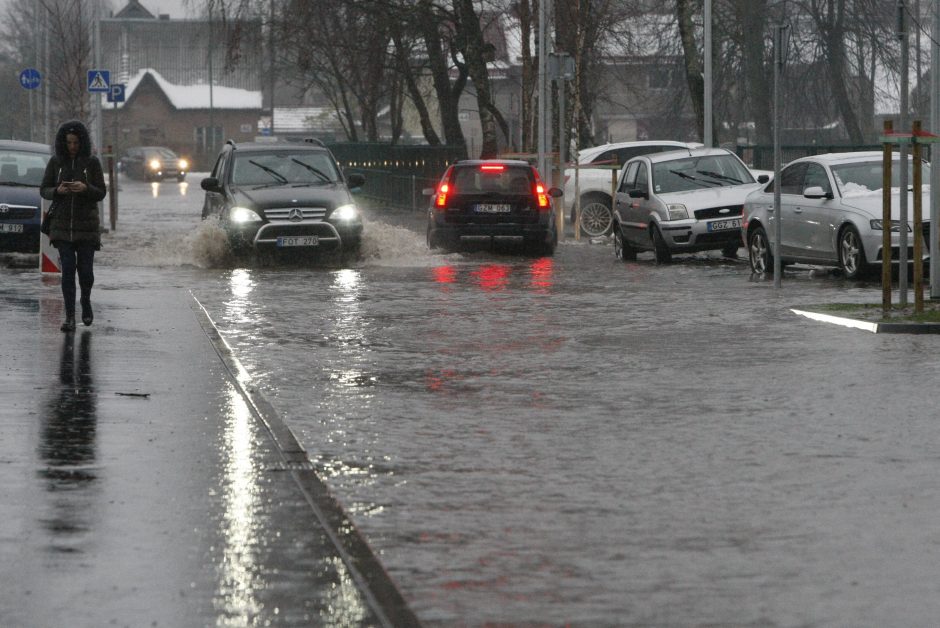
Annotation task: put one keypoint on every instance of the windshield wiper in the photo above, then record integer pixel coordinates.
(312, 169)
(274, 173)
(17, 184)
(679, 173)
(715, 175)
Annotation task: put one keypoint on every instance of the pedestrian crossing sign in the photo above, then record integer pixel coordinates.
(99, 81)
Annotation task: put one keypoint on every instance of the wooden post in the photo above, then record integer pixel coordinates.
(918, 222)
(112, 184)
(886, 222)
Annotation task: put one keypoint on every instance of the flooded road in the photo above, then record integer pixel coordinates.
(578, 440)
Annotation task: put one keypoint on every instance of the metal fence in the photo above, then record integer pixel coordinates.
(762, 157)
(396, 175)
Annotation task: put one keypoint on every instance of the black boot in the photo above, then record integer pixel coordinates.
(87, 315)
(69, 324)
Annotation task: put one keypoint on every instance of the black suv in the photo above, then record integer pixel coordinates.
(492, 200)
(283, 196)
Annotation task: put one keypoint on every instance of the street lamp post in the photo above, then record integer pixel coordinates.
(708, 140)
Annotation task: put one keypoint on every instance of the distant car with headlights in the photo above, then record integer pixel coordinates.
(284, 196)
(681, 202)
(22, 165)
(831, 213)
(154, 163)
(492, 200)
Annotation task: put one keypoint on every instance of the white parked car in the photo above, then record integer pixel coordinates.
(681, 202)
(831, 209)
(594, 182)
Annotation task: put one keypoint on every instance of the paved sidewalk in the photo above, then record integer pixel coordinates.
(140, 487)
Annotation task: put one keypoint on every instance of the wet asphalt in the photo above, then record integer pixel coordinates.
(144, 483)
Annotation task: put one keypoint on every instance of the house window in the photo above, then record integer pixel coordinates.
(663, 77)
(207, 141)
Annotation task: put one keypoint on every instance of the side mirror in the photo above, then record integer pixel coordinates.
(638, 194)
(556, 192)
(355, 180)
(816, 191)
(427, 192)
(763, 178)
(210, 184)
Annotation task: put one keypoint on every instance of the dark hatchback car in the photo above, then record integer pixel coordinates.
(22, 165)
(284, 197)
(490, 201)
(154, 163)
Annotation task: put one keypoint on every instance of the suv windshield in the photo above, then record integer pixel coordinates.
(493, 179)
(695, 173)
(284, 168)
(22, 167)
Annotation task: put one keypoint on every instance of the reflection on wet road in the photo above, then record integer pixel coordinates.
(68, 448)
(577, 439)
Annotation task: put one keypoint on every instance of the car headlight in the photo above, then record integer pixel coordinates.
(677, 211)
(243, 214)
(183, 164)
(154, 164)
(345, 212)
(876, 225)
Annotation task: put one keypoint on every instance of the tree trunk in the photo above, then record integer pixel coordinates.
(752, 15)
(448, 95)
(685, 10)
(528, 76)
(834, 43)
(402, 54)
(476, 53)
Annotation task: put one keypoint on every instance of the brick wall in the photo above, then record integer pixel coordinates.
(149, 119)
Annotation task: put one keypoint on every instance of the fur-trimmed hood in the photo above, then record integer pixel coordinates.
(84, 139)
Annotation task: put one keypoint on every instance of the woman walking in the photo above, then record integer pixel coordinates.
(74, 182)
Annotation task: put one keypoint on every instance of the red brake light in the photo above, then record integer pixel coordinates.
(442, 192)
(542, 196)
(493, 167)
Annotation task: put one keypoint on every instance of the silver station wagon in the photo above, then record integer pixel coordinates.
(681, 202)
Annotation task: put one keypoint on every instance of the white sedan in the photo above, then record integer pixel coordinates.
(831, 214)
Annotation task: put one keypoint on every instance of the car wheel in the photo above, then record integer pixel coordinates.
(181, 178)
(596, 217)
(660, 249)
(432, 240)
(852, 254)
(758, 252)
(730, 250)
(622, 248)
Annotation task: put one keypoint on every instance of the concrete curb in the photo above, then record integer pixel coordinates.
(876, 328)
(380, 591)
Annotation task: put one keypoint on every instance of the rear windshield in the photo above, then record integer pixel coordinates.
(22, 167)
(504, 180)
(695, 173)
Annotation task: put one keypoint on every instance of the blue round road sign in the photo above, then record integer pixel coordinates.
(30, 78)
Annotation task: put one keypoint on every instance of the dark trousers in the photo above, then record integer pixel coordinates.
(80, 257)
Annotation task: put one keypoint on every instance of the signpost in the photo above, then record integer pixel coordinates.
(30, 78)
(99, 81)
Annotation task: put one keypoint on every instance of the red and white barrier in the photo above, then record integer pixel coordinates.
(48, 256)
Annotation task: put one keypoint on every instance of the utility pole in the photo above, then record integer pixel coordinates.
(707, 139)
(905, 128)
(271, 64)
(934, 249)
(543, 97)
(780, 56)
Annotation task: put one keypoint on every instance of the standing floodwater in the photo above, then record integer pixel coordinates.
(574, 439)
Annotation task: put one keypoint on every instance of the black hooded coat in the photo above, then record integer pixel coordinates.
(75, 216)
